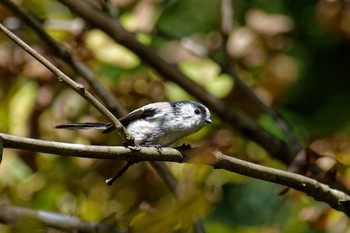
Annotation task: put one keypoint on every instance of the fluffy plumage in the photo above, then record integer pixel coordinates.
(161, 123)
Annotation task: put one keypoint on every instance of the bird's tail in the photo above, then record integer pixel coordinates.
(85, 125)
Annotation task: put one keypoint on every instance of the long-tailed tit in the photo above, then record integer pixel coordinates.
(157, 124)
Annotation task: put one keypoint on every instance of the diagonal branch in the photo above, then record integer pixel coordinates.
(79, 88)
(321, 192)
(1, 149)
(65, 55)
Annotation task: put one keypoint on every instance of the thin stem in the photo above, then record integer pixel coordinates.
(111, 180)
(77, 87)
(66, 56)
(1, 148)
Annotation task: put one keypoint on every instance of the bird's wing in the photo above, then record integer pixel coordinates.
(141, 113)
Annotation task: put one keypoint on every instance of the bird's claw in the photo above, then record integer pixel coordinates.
(158, 147)
(134, 148)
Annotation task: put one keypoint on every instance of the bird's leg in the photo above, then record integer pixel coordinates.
(119, 173)
(111, 180)
(157, 146)
(134, 148)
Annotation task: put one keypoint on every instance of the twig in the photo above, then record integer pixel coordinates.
(79, 88)
(1, 149)
(109, 8)
(321, 192)
(226, 17)
(12, 215)
(66, 56)
(119, 173)
(239, 120)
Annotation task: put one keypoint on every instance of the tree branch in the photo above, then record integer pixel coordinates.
(12, 215)
(224, 110)
(79, 88)
(1, 149)
(66, 56)
(321, 192)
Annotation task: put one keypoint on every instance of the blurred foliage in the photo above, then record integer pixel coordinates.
(294, 55)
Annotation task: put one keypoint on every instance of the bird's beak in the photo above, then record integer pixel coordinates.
(209, 120)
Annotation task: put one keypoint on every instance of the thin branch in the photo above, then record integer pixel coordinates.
(89, 151)
(109, 8)
(226, 17)
(1, 149)
(321, 192)
(79, 88)
(119, 173)
(66, 56)
(239, 120)
(12, 215)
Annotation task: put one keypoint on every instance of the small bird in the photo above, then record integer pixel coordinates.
(158, 124)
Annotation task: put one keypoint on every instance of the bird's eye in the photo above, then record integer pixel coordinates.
(197, 111)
